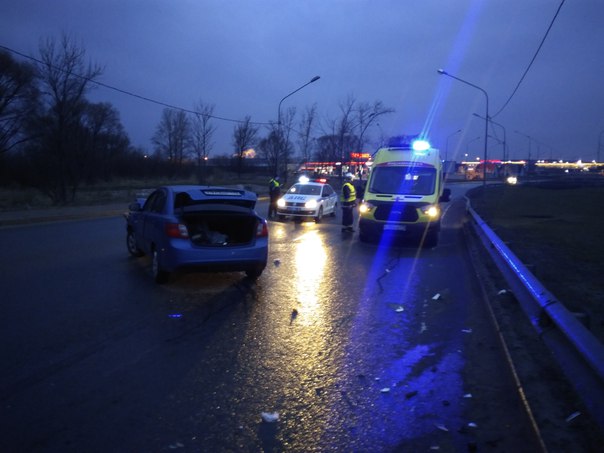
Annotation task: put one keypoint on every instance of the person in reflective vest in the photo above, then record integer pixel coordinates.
(274, 192)
(348, 200)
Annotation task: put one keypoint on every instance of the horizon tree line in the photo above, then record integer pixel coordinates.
(53, 138)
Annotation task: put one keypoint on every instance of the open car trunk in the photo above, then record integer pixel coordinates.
(220, 226)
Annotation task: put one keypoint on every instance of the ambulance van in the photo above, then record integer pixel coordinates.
(403, 193)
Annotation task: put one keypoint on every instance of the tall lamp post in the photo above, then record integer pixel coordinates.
(447, 145)
(528, 163)
(314, 79)
(505, 153)
(486, 122)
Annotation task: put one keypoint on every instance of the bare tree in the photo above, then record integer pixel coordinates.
(64, 81)
(172, 136)
(304, 136)
(244, 138)
(18, 100)
(202, 131)
(277, 147)
(346, 134)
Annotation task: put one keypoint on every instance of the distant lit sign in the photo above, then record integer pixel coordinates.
(360, 155)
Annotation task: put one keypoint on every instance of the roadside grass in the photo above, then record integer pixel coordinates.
(557, 232)
(122, 191)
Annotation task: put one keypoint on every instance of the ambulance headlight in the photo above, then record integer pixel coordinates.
(310, 204)
(365, 207)
(431, 211)
(281, 202)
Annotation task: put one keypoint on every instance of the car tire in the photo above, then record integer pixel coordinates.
(255, 272)
(159, 275)
(319, 215)
(131, 244)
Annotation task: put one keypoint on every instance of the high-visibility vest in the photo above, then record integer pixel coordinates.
(273, 184)
(352, 195)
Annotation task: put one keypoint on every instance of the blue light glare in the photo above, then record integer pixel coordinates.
(420, 145)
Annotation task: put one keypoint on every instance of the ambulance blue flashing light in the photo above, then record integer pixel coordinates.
(419, 146)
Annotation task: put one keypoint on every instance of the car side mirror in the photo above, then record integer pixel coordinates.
(134, 207)
(446, 196)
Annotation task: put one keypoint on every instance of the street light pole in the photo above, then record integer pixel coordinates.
(314, 79)
(468, 144)
(447, 145)
(505, 155)
(486, 122)
(528, 163)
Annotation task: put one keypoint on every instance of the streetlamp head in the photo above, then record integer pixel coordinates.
(442, 71)
(314, 79)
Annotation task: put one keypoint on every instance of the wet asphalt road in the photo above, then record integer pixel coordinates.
(356, 347)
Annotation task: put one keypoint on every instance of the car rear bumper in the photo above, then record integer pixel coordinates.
(180, 254)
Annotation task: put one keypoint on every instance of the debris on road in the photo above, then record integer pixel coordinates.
(437, 296)
(270, 417)
(411, 394)
(572, 416)
(441, 427)
(385, 390)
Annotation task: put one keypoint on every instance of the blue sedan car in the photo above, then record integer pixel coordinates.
(205, 228)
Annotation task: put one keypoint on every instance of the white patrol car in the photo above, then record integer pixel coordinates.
(308, 199)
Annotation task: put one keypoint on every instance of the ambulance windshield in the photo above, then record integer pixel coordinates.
(403, 180)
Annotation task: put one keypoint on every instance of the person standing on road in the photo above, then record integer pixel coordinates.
(348, 199)
(274, 192)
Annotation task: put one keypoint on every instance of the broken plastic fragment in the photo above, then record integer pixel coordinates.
(472, 425)
(572, 416)
(501, 292)
(175, 315)
(270, 417)
(468, 395)
(399, 309)
(436, 296)
(441, 427)
(385, 390)
(467, 330)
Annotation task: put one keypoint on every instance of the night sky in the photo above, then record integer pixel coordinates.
(243, 56)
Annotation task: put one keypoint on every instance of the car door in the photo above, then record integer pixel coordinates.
(328, 196)
(153, 219)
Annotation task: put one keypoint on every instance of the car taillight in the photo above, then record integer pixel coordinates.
(262, 229)
(177, 230)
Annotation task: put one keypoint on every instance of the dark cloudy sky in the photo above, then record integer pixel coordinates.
(245, 55)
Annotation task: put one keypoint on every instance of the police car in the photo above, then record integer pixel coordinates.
(308, 199)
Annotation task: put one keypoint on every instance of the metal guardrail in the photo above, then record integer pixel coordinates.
(577, 350)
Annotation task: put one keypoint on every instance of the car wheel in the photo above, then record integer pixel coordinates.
(131, 243)
(319, 215)
(159, 275)
(255, 272)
